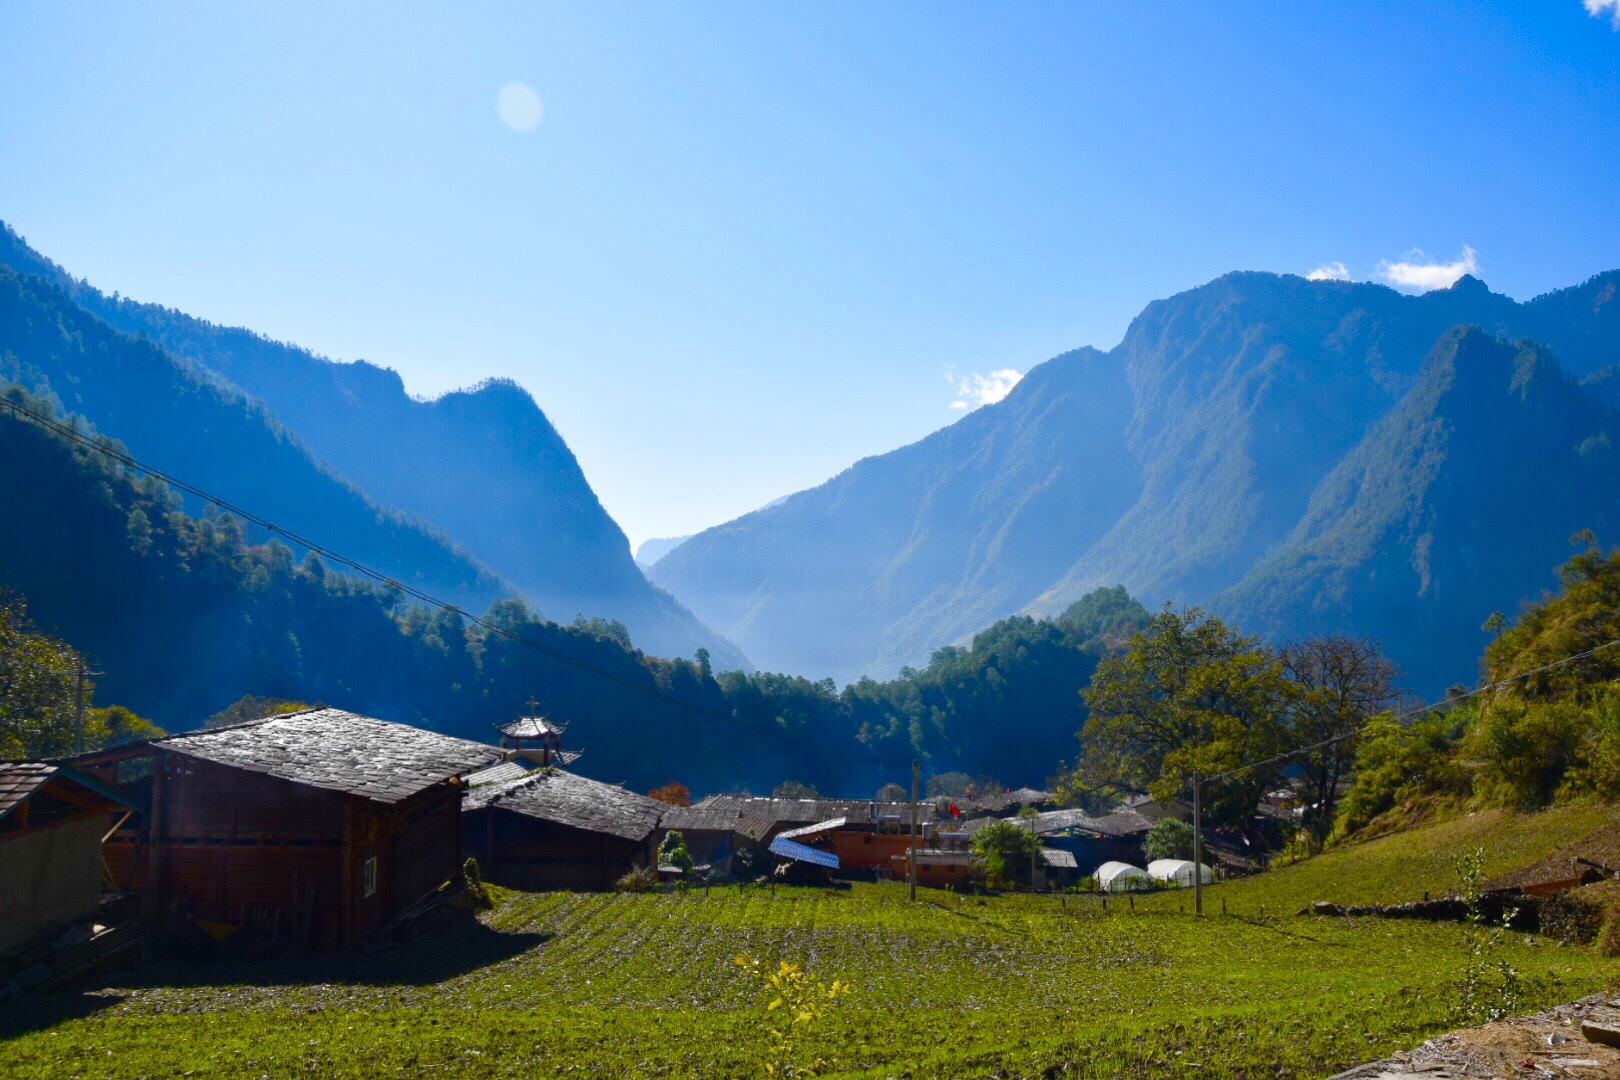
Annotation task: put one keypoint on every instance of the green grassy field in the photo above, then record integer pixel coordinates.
(572, 985)
(616, 986)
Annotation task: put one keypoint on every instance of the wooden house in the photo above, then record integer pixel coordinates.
(936, 867)
(709, 832)
(52, 820)
(314, 828)
(554, 830)
(1092, 840)
(761, 820)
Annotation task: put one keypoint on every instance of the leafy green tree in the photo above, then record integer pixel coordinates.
(672, 852)
(253, 707)
(1190, 695)
(1395, 762)
(1342, 682)
(1169, 838)
(114, 725)
(1003, 852)
(38, 690)
(793, 789)
(951, 785)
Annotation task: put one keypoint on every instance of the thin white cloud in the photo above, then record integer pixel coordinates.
(1335, 271)
(975, 389)
(1417, 271)
(1596, 8)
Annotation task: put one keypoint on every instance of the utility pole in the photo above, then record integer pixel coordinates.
(1034, 852)
(913, 860)
(78, 712)
(1198, 844)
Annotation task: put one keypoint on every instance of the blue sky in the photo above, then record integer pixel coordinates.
(747, 244)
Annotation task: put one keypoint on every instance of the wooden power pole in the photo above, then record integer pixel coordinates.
(913, 861)
(78, 712)
(1198, 844)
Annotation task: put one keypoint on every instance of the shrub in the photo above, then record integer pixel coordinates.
(638, 879)
(1168, 839)
(1003, 853)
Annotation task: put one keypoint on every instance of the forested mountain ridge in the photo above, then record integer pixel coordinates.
(1216, 420)
(184, 616)
(178, 419)
(483, 464)
(1493, 459)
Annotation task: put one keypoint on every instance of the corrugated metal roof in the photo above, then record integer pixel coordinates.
(818, 827)
(341, 751)
(792, 849)
(1058, 859)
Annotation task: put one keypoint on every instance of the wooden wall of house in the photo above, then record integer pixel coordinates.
(245, 849)
(49, 877)
(861, 850)
(241, 847)
(522, 852)
(417, 845)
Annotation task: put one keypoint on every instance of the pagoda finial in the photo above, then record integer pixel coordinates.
(533, 704)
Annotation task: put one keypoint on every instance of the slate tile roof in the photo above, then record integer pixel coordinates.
(499, 774)
(700, 819)
(757, 816)
(532, 727)
(1000, 802)
(1118, 825)
(19, 780)
(338, 751)
(568, 799)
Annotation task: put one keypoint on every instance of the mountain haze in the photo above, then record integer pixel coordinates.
(178, 419)
(483, 465)
(914, 549)
(1194, 463)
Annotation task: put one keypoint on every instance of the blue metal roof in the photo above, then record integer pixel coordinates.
(792, 849)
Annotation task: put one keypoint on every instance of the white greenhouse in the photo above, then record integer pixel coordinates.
(1178, 872)
(1121, 877)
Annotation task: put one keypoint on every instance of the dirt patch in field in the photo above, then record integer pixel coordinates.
(1547, 1043)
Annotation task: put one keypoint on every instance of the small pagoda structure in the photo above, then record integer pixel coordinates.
(537, 739)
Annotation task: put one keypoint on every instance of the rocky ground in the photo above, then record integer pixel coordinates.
(1565, 1040)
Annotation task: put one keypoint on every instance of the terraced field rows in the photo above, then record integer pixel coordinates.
(618, 986)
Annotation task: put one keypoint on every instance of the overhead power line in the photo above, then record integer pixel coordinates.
(1498, 684)
(72, 434)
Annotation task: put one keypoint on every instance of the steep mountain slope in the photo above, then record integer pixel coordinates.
(178, 419)
(183, 614)
(913, 549)
(484, 464)
(1230, 406)
(1457, 503)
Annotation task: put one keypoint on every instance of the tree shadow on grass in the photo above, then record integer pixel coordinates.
(36, 1013)
(453, 952)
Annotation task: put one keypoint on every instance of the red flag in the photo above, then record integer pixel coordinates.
(954, 811)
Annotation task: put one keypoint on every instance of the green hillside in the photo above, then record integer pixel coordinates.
(1403, 866)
